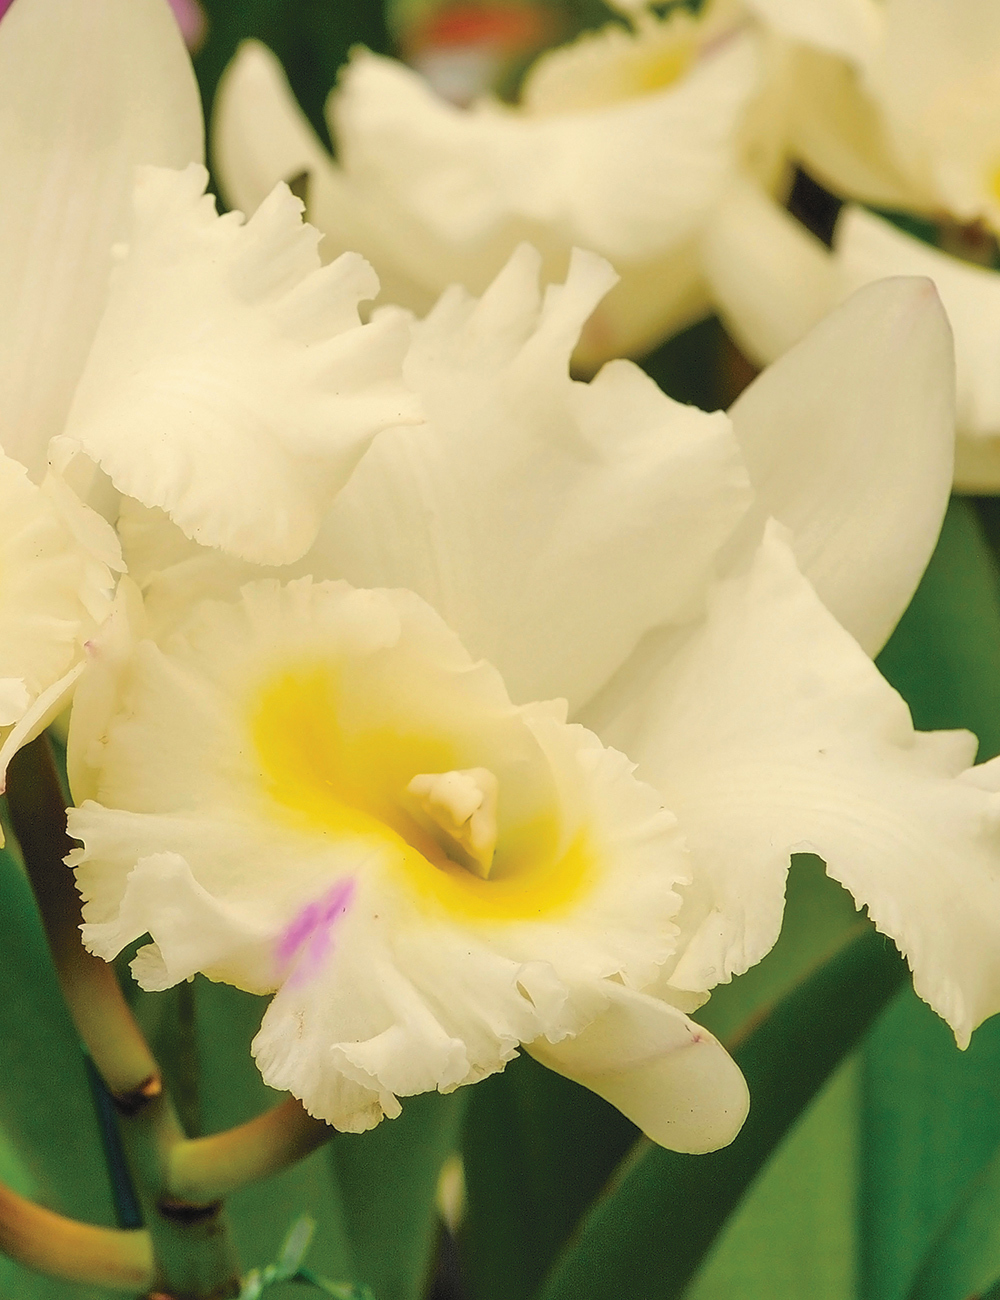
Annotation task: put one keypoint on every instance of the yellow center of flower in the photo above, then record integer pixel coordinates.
(439, 821)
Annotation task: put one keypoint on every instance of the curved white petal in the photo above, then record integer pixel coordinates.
(849, 439)
(231, 382)
(258, 821)
(260, 136)
(839, 132)
(850, 28)
(538, 515)
(770, 732)
(868, 248)
(87, 91)
(628, 180)
(771, 280)
(667, 1074)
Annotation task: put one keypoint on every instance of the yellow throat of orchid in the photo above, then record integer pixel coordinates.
(439, 822)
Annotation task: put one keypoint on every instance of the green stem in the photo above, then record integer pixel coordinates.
(110, 1258)
(212, 1167)
(194, 1256)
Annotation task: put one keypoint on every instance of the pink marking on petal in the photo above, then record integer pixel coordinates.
(308, 938)
(4, 6)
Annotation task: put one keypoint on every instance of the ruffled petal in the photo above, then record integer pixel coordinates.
(88, 91)
(56, 589)
(258, 821)
(849, 441)
(230, 382)
(770, 732)
(539, 516)
(668, 1075)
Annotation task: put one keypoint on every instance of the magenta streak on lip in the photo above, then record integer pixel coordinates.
(307, 940)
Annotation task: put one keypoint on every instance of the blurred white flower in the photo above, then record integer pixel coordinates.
(621, 143)
(336, 783)
(897, 102)
(893, 103)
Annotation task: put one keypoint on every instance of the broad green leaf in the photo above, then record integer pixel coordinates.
(537, 1150)
(649, 1234)
(231, 1092)
(944, 657)
(931, 1125)
(389, 1180)
(795, 1232)
(931, 1115)
(964, 1259)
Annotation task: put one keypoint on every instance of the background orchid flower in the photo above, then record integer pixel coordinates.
(890, 103)
(599, 542)
(621, 142)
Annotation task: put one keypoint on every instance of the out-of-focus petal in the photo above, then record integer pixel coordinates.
(849, 439)
(838, 131)
(771, 280)
(850, 28)
(667, 1074)
(868, 248)
(87, 92)
(530, 502)
(231, 382)
(770, 732)
(627, 181)
(260, 136)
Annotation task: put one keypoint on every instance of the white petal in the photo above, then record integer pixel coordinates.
(849, 442)
(230, 382)
(771, 280)
(850, 28)
(769, 732)
(629, 180)
(539, 516)
(397, 972)
(839, 132)
(667, 1074)
(868, 248)
(87, 91)
(260, 136)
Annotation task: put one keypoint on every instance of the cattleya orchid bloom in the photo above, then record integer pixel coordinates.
(892, 103)
(154, 337)
(622, 141)
(377, 783)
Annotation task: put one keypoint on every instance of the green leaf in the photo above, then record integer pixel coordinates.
(232, 1091)
(795, 1232)
(389, 1179)
(931, 1125)
(964, 1260)
(649, 1234)
(931, 1119)
(944, 657)
(537, 1149)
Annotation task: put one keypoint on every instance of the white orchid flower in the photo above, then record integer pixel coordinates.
(337, 784)
(897, 102)
(772, 280)
(621, 143)
(162, 341)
